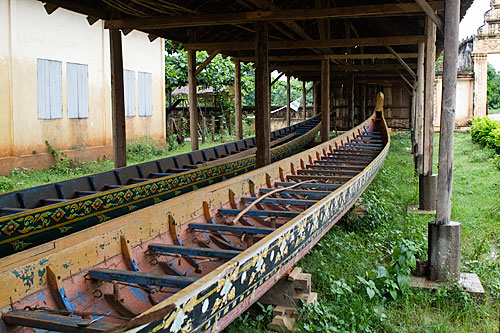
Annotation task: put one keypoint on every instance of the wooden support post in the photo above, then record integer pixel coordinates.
(304, 99)
(419, 119)
(288, 100)
(193, 102)
(351, 103)
(427, 180)
(315, 98)
(213, 128)
(203, 128)
(445, 235)
(262, 112)
(237, 101)
(430, 63)
(117, 99)
(364, 116)
(325, 100)
(446, 142)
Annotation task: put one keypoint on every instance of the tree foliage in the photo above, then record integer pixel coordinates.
(219, 74)
(493, 88)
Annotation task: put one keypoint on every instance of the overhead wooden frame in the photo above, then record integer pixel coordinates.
(307, 44)
(184, 21)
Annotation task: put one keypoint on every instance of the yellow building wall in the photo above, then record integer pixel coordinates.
(27, 33)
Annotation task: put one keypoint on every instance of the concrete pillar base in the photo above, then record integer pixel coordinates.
(445, 243)
(427, 192)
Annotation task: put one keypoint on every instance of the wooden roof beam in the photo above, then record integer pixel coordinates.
(183, 21)
(366, 56)
(307, 44)
(402, 62)
(277, 78)
(431, 13)
(204, 64)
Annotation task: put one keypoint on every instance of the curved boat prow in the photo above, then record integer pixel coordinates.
(197, 261)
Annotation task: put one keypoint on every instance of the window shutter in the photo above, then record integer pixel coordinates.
(49, 89)
(145, 94)
(129, 78)
(83, 91)
(55, 89)
(78, 90)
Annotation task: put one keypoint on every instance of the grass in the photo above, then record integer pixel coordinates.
(360, 245)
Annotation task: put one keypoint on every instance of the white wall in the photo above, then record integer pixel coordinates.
(27, 32)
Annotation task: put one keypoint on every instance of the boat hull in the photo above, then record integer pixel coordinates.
(215, 300)
(37, 226)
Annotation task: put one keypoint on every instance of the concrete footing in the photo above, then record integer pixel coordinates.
(445, 243)
(427, 192)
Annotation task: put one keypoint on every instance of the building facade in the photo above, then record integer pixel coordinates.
(56, 86)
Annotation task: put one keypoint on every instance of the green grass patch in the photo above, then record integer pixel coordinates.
(359, 268)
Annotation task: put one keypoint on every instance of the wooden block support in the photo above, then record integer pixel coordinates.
(262, 116)
(291, 290)
(117, 99)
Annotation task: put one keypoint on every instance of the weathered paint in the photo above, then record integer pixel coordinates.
(27, 32)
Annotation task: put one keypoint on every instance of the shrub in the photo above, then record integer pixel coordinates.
(486, 132)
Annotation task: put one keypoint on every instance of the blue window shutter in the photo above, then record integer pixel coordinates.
(83, 91)
(149, 94)
(43, 89)
(49, 89)
(72, 90)
(142, 108)
(145, 94)
(78, 90)
(55, 89)
(129, 78)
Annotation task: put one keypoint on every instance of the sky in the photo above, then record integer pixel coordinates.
(472, 21)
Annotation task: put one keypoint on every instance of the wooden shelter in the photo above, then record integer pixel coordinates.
(340, 43)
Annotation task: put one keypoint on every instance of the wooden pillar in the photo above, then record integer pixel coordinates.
(193, 102)
(325, 100)
(262, 116)
(445, 236)
(304, 99)
(315, 99)
(288, 100)
(351, 103)
(413, 112)
(237, 101)
(364, 116)
(446, 142)
(213, 127)
(117, 99)
(203, 128)
(419, 116)
(427, 180)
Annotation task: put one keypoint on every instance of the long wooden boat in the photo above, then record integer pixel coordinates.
(197, 261)
(36, 215)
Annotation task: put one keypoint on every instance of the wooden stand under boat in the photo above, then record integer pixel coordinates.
(199, 260)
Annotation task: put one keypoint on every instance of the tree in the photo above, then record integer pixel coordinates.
(493, 88)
